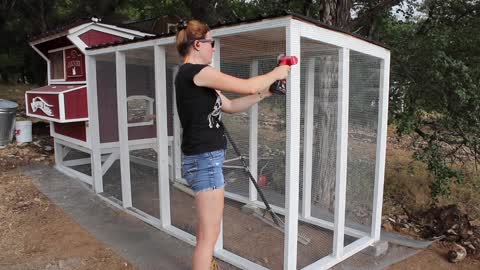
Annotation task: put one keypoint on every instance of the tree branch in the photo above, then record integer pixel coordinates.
(374, 11)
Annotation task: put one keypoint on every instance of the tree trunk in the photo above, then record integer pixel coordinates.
(336, 12)
(325, 133)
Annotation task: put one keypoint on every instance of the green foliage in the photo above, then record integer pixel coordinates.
(435, 87)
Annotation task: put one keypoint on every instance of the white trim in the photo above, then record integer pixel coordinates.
(251, 27)
(292, 174)
(217, 64)
(329, 261)
(114, 156)
(77, 162)
(308, 139)
(79, 43)
(61, 107)
(74, 174)
(177, 133)
(56, 119)
(126, 30)
(342, 151)
(228, 30)
(338, 39)
(253, 139)
(62, 48)
(122, 128)
(70, 139)
(237, 261)
(94, 132)
(48, 38)
(55, 93)
(58, 151)
(68, 82)
(73, 145)
(381, 148)
(162, 134)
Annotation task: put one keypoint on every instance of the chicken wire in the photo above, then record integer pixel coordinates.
(108, 119)
(362, 139)
(141, 115)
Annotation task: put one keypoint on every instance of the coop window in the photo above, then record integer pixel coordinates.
(56, 66)
(140, 111)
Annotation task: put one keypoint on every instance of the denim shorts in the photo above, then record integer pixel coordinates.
(204, 171)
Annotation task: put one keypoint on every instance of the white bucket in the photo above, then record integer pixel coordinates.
(23, 131)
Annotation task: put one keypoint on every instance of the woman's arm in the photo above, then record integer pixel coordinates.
(212, 78)
(243, 103)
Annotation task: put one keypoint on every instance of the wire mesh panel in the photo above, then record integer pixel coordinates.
(362, 139)
(245, 234)
(182, 203)
(141, 114)
(319, 100)
(77, 160)
(108, 123)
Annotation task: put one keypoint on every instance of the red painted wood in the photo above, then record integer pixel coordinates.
(76, 104)
(74, 130)
(94, 37)
(49, 99)
(75, 65)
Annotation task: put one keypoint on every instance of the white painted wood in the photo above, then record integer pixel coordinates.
(226, 31)
(108, 163)
(122, 128)
(62, 48)
(281, 22)
(76, 82)
(381, 148)
(253, 139)
(177, 134)
(237, 261)
(58, 152)
(329, 261)
(342, 151)
(73, 145)
(79, 43)
(71, 140)
(338, 39)
(77, 162)
(61, 105)
(162, 135)
(292, 175)
(308, 139)
(93, 134)
(217, 64)
(74, 174)
(33, 91)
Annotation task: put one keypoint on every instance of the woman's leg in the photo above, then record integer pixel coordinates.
(209, 206)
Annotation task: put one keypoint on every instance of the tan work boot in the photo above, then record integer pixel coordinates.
(214, 265)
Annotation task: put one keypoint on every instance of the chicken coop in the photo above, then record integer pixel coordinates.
(318, 152)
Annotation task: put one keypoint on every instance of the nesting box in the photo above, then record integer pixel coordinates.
(319, 150)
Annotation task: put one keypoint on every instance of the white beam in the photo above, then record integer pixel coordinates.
(292, 149)
(121, 74)
(94, 124)
(162, 134)
(342, 40)
(253, 138)
(342, 151)
(308, 139)
(381, 148)
(177, 133)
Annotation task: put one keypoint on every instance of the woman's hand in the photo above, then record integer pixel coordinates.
(281, 72)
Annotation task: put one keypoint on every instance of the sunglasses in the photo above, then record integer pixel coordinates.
(212, 42)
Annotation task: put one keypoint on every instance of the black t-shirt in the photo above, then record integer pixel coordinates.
(199, 109)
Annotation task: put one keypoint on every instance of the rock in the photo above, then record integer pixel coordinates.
(456, 254)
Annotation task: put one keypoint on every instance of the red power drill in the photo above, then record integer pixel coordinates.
(280, 86)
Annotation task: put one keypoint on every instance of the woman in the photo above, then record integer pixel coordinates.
(199, 103)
